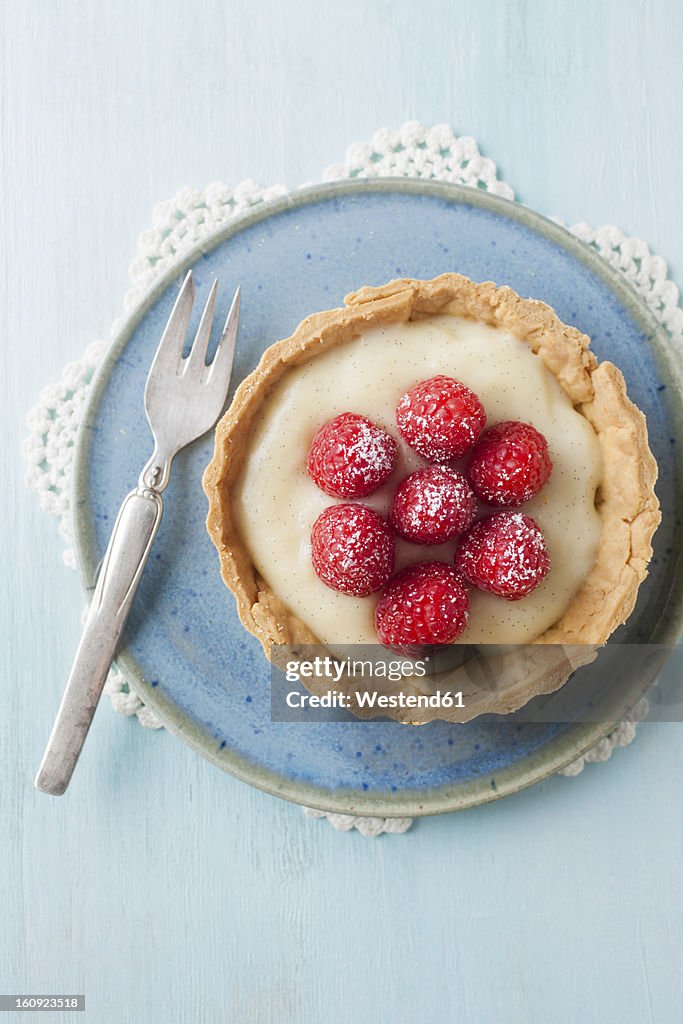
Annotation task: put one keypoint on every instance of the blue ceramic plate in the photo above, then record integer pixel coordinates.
(184, 649)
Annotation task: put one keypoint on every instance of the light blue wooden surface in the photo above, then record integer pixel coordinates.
(160, 888)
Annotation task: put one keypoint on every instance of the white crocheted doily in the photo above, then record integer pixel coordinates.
(179, 224)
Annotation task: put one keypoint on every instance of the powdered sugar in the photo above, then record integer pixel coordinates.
(350, 456)
(440, 418)
(370, 450)
(433, 505)
(352, 549)
(505, 554)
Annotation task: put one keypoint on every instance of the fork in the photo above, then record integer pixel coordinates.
(183, 399)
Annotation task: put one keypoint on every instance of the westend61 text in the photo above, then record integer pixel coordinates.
(373, 699)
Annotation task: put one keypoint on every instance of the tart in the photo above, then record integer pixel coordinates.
(598, 511)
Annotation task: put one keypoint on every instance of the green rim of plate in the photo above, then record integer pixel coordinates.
(414, 803)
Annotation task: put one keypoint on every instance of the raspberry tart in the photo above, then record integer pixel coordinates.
(435, 462)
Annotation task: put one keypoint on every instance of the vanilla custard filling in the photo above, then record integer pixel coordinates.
(276, 503)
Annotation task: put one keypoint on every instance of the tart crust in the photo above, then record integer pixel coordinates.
(626, 501)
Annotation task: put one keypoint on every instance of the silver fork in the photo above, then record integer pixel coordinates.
(183, 399)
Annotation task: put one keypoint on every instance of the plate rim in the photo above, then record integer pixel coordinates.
(571, 744)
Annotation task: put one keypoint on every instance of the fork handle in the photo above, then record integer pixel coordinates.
(127, 552)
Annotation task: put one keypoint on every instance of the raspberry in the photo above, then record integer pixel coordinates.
(432, 505)
(424, 604)
(352, 549)
(440, 419)
(505, 554)
(350, 457)
(510, 464)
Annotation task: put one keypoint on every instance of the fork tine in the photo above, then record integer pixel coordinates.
(202, 337)
(222, 361)
(170, 347)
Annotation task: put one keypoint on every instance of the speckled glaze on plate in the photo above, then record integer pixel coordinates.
(184, 649)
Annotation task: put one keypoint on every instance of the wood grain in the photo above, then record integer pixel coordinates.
(160, 888)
